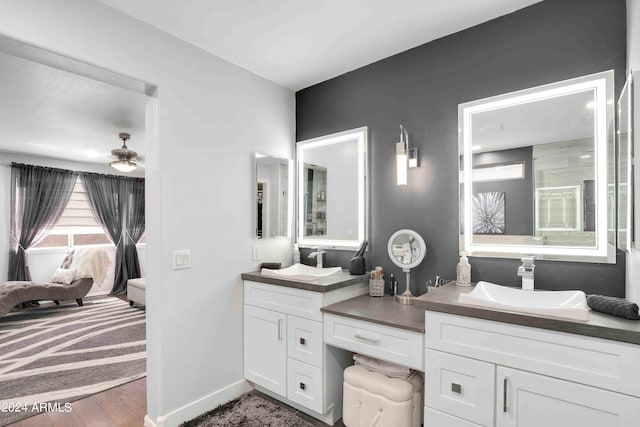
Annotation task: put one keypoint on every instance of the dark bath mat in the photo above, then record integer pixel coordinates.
(249, 410)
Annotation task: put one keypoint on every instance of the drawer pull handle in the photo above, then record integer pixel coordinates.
(303, 341)
(456, 388)
(279, 329)
(364, 338)
(504, 394)
(303, 386)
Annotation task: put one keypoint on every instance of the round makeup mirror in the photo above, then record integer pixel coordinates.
(407, 250)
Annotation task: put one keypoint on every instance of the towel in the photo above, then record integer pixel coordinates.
(615, 306)
(391, 370)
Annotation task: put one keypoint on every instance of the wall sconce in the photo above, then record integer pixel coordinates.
(405, 157)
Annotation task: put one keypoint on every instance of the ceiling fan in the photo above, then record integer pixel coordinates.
(125, 157)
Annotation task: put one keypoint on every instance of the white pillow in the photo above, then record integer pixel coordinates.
(64, 275)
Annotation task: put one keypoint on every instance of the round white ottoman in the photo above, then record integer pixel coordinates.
(373, 399)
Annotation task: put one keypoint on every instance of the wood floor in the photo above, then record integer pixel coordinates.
(123, 406)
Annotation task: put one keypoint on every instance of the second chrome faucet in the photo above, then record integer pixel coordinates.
(318, 255)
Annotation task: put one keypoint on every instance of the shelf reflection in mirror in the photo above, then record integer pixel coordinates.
(536, 172)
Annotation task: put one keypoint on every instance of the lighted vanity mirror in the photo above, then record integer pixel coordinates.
(625, 167)
(273, 195)
(331, 190)
(537, 172)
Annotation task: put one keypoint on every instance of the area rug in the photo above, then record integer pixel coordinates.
(58, 354)
(250, 410)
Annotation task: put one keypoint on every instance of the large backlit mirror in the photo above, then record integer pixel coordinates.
(273, 197)
(625, 166)
(537, 172)
(331, 190)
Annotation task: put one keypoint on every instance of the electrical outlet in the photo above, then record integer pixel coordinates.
(256, 253)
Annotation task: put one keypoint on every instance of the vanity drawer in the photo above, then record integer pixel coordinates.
(433, 418)
(394, 345)
(607, 364)
(304, 385)
(304, 340)
(293, 301)
(460, 386)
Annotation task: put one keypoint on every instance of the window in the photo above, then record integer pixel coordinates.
(76, 226)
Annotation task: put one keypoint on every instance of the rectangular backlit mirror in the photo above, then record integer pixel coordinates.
(332, 191)
(625, 168)
(536, 172)
(273, 197)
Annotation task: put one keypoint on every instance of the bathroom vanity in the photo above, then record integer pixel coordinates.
(377, 327)
(497, 368)
(284, 353)
(483, 367)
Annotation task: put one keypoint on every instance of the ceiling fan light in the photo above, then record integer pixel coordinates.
(124, 156)
(124, 166)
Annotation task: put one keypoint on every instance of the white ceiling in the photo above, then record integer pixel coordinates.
(54, 113)
(298, 43)
(48, 112)
(562, 118)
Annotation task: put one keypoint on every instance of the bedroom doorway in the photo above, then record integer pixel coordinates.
(61, 113)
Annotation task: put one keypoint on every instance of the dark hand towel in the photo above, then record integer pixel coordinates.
(611, 305)
(271, 265)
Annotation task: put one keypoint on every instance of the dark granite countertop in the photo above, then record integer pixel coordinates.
(382, 310)
(325, 284)
(599, 325)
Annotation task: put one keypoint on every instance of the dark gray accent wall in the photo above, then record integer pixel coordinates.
(518, 198)
(421, 88)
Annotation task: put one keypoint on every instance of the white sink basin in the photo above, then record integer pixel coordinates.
(301, 272)
(565, 304)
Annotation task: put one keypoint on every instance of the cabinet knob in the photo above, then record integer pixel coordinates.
(303, 386)
(456, 388)
(303, 341)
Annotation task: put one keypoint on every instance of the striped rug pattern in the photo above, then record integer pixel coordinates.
(59, 354)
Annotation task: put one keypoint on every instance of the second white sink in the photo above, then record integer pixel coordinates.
(301, 272)
(565, 304)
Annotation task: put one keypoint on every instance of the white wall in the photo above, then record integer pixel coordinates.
(216, 115)
(633, 63)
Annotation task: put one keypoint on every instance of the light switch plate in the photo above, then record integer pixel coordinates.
(181, 259)
(256, 253)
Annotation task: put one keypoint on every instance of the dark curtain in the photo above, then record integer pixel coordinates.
(118, 204)
(134, 221)
(38, 198)
(107, 197)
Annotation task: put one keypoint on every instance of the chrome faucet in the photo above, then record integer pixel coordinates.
(318, 254)
(526, 272)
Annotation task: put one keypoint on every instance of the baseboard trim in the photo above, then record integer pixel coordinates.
(200, 406)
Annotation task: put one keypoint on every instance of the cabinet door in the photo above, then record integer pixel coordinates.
(531, 400)
(265, 348)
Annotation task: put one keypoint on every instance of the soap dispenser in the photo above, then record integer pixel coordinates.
(463, 271)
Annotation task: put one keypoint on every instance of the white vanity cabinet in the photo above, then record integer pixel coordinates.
(284, 352)
(487, 373)
(527, 399)
(265, 348)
